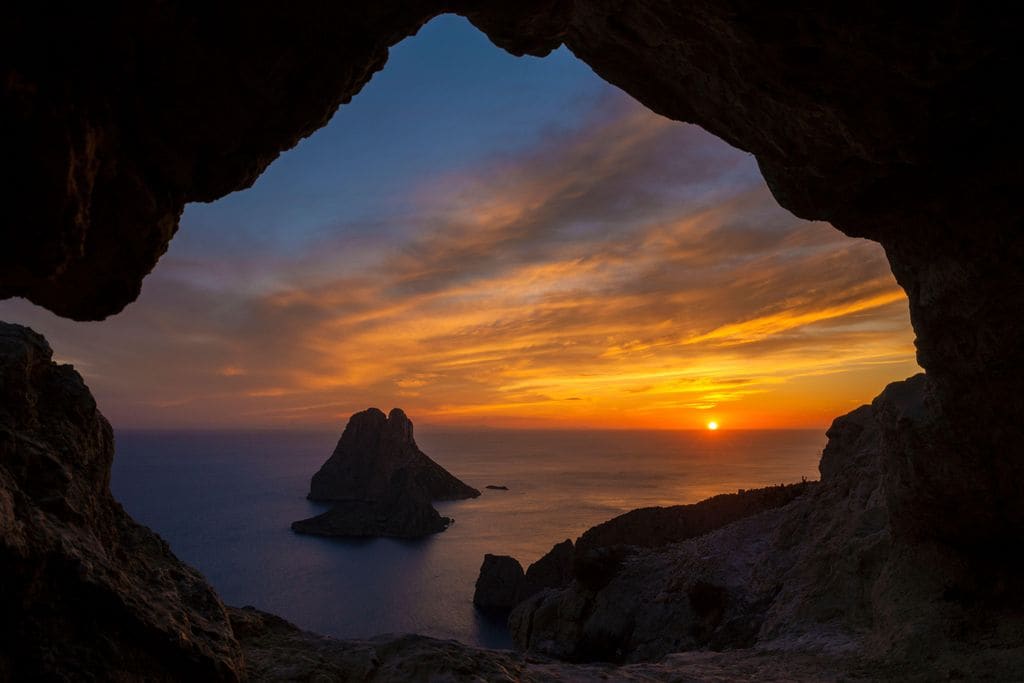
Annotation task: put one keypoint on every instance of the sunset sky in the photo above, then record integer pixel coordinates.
(485, 240)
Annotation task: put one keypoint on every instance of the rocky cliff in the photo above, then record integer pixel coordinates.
(86, 593)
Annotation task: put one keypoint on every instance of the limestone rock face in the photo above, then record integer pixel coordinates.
(86, 593)
(378, 455)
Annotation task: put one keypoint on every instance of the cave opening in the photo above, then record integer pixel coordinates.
(488, 242)
(889, 123)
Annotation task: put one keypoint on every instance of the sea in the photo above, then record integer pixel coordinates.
(224, 502)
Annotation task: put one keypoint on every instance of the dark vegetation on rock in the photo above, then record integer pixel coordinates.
(381, 483)
(891, 120)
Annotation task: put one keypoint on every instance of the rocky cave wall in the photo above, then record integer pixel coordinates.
(890, 121)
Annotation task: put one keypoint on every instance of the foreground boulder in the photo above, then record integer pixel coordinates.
(86, 593)
(382, 484)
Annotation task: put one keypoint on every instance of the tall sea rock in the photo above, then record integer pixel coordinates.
(382, 484)
(375, 454)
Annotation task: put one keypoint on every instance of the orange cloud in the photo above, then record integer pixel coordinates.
(635, 273)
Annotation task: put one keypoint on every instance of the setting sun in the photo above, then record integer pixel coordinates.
(712, 425)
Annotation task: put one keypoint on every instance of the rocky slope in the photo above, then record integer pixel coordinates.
(86, 593)
(822, 573)
(382, 484)
(600, 551)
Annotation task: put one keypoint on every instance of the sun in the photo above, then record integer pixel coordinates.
(712, 425)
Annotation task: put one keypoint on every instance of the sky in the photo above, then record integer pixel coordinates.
(486, 240)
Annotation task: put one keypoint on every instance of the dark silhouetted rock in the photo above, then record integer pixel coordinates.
(85, 592)
(381, 482)
(376, 457)
(493, 487)
(500, 583)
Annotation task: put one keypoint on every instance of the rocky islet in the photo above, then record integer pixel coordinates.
(381, 483)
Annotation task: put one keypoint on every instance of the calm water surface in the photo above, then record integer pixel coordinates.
(225, 500)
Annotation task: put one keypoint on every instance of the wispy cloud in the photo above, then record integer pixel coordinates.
(631, 272)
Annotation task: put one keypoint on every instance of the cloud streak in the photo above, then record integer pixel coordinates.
(630, 272)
